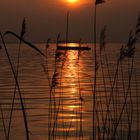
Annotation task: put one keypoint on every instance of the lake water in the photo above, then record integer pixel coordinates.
(58, 94)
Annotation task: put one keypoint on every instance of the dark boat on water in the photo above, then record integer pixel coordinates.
(72, 46)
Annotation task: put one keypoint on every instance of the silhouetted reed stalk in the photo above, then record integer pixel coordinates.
(97, 115)
(102, 46)
(54, 83)
(95, 65)
(115, 99)
(60, 101)
(112, 91)
(129, 51)
(56, 109)
(137, 102)
(130, 106)
(81, 100)
(120, 78)
(52, 103)
(104, 119)
(67, 27)
(125, 101)
(98, 104)
(52, 114)
(95, 74)
(60, 105)
(24, 41)
(108, 115)
(15, 76)
(112, 96)
(2, 117)
(19, 91)
(17, 70)
(124, 90)
(3, 122)
(46, 71)
(61, 90)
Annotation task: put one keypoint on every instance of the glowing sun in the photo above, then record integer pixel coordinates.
(72, 1)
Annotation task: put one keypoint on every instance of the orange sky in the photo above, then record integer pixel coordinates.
(47, 18)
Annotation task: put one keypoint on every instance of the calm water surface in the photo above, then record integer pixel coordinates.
(58, 94)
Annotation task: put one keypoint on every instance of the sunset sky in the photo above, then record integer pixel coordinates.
(47, 18)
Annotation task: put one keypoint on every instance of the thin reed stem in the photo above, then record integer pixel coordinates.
(19, 91)
(13, 100)
(137, 96)
(95, 73)
(127, 92)
(3, 122)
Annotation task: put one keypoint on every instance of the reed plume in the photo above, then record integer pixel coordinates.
(103, 38)
(99, 2)
(129, 49)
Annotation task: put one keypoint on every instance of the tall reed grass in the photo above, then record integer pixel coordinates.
(108, 115)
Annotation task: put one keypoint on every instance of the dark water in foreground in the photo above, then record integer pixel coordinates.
(64, 109)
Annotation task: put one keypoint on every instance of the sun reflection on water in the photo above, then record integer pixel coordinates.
(70, 75)
(71, 104)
